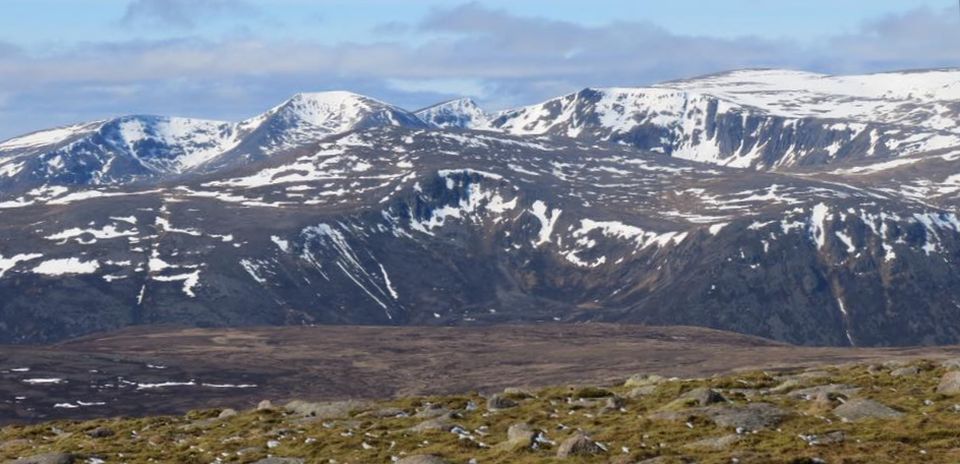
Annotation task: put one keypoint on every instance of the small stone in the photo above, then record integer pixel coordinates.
(857, 409)
(578, 445)
(830, 438)
(433, 410)
(422, 459)
(949, 383)
(101, 432)
(48, 458)
(227, 413)
(614, 403)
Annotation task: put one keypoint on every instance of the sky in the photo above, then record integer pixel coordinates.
(67, 61)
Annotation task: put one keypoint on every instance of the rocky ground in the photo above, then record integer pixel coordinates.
(894, 411)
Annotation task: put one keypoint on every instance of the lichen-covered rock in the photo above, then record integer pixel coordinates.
(423, 459)
(579, 445)
(860, 408)
(640, 380)
(48, 458)
(750, 417)
(279, 460)
(907, 371)
(323, 410)
(949, 383)
(500, 402)
(715, 443)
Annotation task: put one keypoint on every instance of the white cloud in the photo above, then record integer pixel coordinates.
(469, 49)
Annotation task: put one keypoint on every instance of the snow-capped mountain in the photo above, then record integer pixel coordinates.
(114, 151)
(462, 113)
(840, 227)
(131, 148)
(308, 117)
(764, 119)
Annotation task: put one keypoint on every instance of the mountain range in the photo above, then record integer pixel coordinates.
(806, 208)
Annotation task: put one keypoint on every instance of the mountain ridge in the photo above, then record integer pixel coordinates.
(349, 211)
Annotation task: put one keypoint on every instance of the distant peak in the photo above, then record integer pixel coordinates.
(462, 113)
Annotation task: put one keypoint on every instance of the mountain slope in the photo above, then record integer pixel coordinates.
(399, 226)
(764, 119)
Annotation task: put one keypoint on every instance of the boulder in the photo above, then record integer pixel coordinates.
(101, 432)
(668, 460)
(704, 396)
(324, 410)
(422, 459)
(640, 380)
(386, 412)
(640, 392)
(278, 460)
(517, 393)
(264, 405)
(440, 423)
(519, 436)
(521, 432)
(579, 445)
(829, 438)
(614, 403)
(499, 402)
(753, 416)
(48, 458)
(831, 390)
(696, 397)
(857, 409)
(715, 443)
(950, 364)
(908, 371)
(949, 383)
(433, 410)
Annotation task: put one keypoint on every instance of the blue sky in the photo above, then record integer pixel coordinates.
(64, 61)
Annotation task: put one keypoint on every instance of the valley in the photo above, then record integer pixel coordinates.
(138, 372)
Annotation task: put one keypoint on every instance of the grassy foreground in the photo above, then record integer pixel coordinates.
(910, 415)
